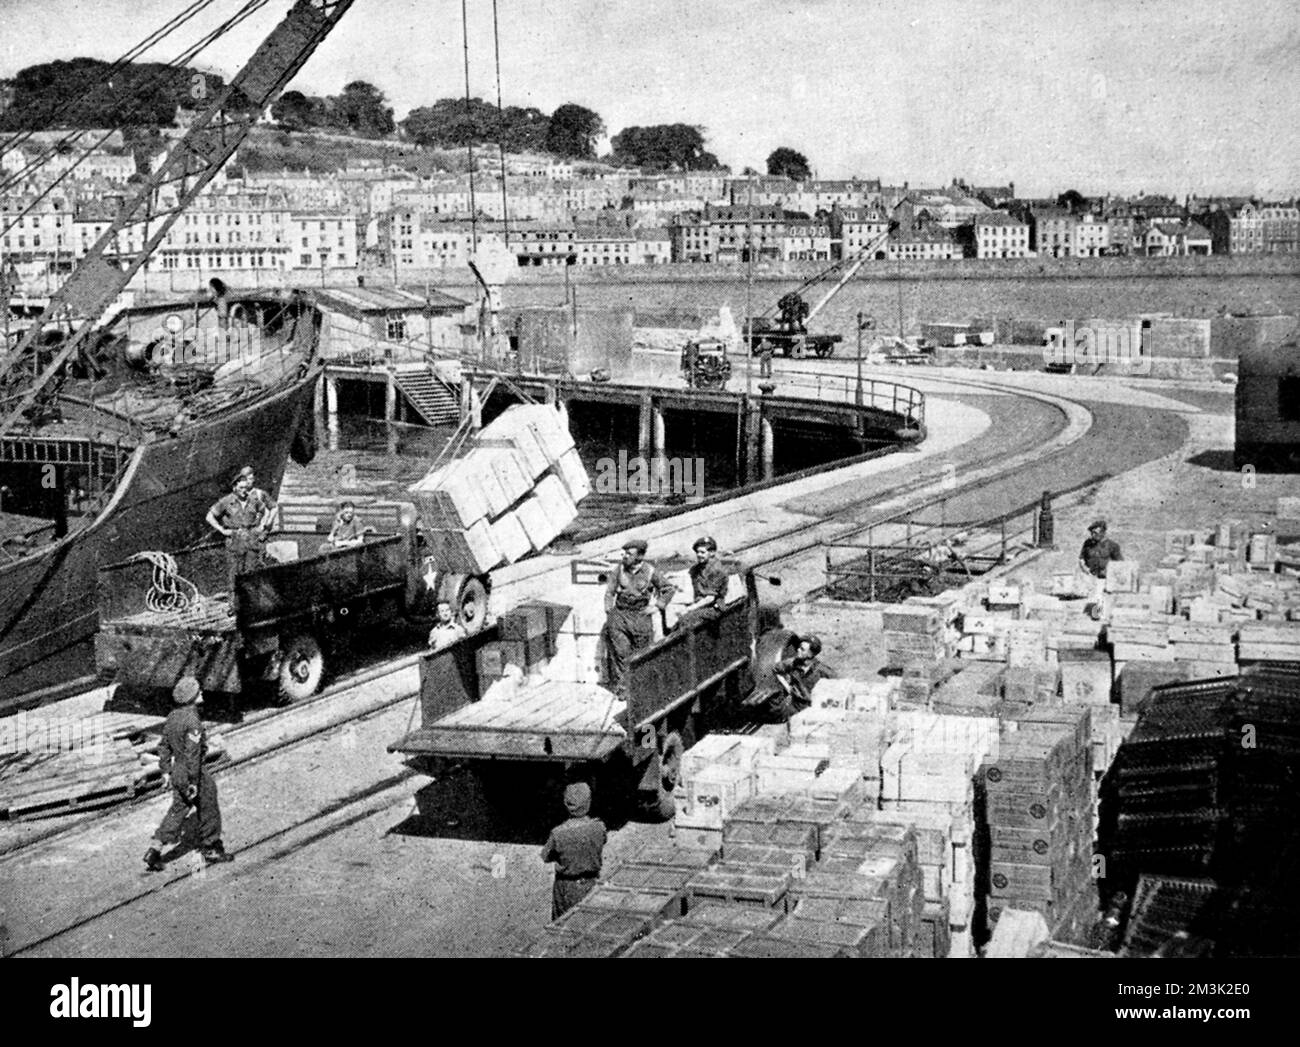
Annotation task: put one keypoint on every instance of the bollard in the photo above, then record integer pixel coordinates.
(1046, 538)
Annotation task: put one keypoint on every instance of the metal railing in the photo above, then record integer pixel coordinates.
(903, 400)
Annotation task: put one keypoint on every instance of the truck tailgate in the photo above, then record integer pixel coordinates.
(545, 721)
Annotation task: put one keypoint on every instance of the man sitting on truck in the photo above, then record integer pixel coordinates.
(242, 517)
(347, 528)
(628, 625)
(446, 630)
(708, 585)
(577, 848)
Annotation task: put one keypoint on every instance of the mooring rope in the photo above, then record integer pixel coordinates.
(168, 591)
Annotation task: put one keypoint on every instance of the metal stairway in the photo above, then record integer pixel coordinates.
(435, 402)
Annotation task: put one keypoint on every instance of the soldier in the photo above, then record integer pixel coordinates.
(765, 359)
(180, 758)
(708, 585)
(800, 674)
(1094, 557)
(628, 626)
(242, 517)
(446, 630)
(347, 528)
(577, 847)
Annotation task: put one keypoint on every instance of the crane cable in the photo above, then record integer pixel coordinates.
(473, 207)
(501, 126)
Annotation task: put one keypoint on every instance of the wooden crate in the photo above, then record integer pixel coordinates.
(737, 886)
(861, 940)
(724, 917)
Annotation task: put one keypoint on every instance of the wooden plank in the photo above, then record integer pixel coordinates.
(520, 745)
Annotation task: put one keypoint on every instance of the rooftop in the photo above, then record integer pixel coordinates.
(357, 301)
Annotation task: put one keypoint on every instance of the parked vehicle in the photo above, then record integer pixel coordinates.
(164, 616)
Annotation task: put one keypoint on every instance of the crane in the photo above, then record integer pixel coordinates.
(191, 163)
(787, 334)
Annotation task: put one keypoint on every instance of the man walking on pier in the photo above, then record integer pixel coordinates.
(1095, 556)
(180, 758)
(628, 625)
(577, 848)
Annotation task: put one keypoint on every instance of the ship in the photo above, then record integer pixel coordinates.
(130, 455)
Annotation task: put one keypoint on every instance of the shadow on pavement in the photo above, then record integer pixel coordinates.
(509, 804)
(1219, 460)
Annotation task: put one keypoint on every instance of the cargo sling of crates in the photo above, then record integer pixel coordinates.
(701, 674)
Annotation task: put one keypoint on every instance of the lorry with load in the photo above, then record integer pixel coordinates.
(527, 691)
(166, 614)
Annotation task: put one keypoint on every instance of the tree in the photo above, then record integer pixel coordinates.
(294, 110)
(785, 162)
(361, 110)
(573, 132)
(664, 147)
(448, 124)
(1074, 200)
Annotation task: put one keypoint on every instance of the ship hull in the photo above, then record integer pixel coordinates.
(47, 600)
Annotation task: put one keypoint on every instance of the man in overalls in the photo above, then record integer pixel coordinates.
(628, 625)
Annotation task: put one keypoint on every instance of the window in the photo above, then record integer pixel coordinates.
(304, 259)
(1288, 398)
(395, 328)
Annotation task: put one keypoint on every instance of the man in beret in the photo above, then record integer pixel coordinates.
(633, 594)
(1097, 553)
(577, 848)
(708, 585)
(800, 674)
(243, 518)
(180, 758)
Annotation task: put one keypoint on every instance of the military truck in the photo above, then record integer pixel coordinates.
(700, 675)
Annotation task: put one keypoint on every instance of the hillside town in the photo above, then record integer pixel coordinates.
(542, 210)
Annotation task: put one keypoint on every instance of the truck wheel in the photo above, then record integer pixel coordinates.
(471, 605)
(302, 665)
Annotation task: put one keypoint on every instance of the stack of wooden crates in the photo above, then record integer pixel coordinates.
(511, 495)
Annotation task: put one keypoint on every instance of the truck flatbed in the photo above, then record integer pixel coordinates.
(549, 720)
(209, 615)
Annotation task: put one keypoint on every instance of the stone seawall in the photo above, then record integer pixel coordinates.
(1019, 269)
(962, 269)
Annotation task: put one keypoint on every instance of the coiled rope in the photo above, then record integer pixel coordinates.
(168, 591)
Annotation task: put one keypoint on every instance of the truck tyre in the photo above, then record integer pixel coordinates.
(471, 602)
(302, 666)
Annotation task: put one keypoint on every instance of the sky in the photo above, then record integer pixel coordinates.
(1172, 96)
